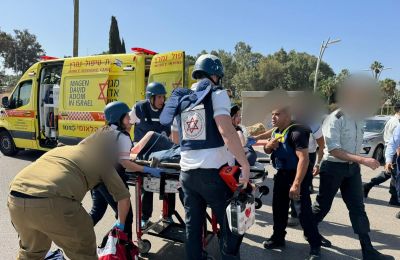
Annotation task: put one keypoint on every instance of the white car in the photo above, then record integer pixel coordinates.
(373, 145)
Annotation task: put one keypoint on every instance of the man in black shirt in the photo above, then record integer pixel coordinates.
(288, 147)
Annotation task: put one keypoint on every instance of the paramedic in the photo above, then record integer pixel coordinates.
(118, 119)
(145, 115)
(206, 133)
(45, 197)
(288, 147)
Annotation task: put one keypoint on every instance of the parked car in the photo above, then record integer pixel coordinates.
(373, 145)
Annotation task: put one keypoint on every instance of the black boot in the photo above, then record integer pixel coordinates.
(369, 252)
(366, 188)
(274, 242)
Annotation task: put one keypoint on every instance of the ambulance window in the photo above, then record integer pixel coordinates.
(21, 95)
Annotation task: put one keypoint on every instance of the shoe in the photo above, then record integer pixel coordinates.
(292, 222)
(373, 254)
(272, 243)
(324, 242)
(144, 224)
(366, 189)
(315, 253)
(398, 215)
(394, 203)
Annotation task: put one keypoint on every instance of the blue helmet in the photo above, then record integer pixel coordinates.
(207, 65)
(155, 88)
(114, 111)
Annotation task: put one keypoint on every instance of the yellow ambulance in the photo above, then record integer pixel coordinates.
(62, 100)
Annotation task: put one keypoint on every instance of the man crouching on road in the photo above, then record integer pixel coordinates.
(288, 147)
(45, 197)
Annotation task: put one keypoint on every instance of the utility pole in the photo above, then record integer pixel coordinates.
(76, 27)
(324, 45)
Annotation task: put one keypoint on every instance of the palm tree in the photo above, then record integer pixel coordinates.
(376, 68)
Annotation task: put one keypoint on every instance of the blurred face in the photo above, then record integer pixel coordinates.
(158, 101)
(237, 118)
(280, 118)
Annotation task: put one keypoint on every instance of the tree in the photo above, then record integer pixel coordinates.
(246, 76)
(376, 68)
(388, 87)
(20, 51)
(114, 43)
(123, 49)
(328, 87)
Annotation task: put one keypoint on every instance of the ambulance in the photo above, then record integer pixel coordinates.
(62, 100)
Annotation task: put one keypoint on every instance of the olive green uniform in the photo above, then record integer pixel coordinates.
(45, 200)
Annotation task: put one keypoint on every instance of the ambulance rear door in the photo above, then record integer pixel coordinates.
(168, 69)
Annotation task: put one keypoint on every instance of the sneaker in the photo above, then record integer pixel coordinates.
(315, 253)
(144, 224)
(398, 215)
(366, 189)
(292, 222)
(373, 254)
(272, 243)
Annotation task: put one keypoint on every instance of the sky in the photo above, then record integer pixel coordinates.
(368, 30)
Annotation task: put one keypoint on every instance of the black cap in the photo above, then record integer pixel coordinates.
(234, 110)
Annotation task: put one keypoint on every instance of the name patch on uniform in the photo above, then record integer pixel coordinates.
(194, 124)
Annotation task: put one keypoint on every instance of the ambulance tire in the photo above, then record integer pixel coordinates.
(144, 246)
(7, 145)
(258, 203)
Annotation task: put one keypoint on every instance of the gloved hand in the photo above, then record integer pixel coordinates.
(154, 172)
(251, 141)
(119, 225)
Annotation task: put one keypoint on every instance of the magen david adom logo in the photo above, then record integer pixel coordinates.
(193, 124)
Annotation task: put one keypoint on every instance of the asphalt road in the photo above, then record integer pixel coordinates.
(336, 227)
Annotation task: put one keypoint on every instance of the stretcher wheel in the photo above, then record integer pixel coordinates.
(264, 190)
(258, 203)
(144, 246)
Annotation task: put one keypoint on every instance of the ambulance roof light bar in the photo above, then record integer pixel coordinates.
(142, 50)
(44, 58)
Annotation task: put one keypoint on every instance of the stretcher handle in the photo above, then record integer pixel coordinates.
(174, 166)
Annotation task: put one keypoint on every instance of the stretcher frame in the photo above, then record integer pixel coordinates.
(136, 179)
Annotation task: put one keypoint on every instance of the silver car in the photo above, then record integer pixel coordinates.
(373, 145)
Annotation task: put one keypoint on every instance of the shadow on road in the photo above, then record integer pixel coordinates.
(29, 155)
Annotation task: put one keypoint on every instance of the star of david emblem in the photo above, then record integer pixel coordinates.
(192, 125)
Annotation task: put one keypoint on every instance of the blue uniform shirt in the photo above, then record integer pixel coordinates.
(393, 144)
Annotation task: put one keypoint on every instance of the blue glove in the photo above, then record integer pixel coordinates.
(251, 141)
(119, 225)
(154, 172)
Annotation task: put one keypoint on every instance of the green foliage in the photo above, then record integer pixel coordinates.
(114, 43)
(388, 88)
(20, 50)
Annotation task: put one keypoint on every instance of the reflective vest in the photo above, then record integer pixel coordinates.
(284, 157)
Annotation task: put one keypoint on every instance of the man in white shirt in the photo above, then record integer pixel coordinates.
(205, 134)
(384, 175)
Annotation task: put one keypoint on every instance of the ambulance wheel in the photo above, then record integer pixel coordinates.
(7, 145)
(144, 246)
(258, 203)
(264, 190)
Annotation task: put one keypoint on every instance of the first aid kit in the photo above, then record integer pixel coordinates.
(241, 213)
(117, 246)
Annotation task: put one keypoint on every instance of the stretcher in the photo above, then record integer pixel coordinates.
(169, 183)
